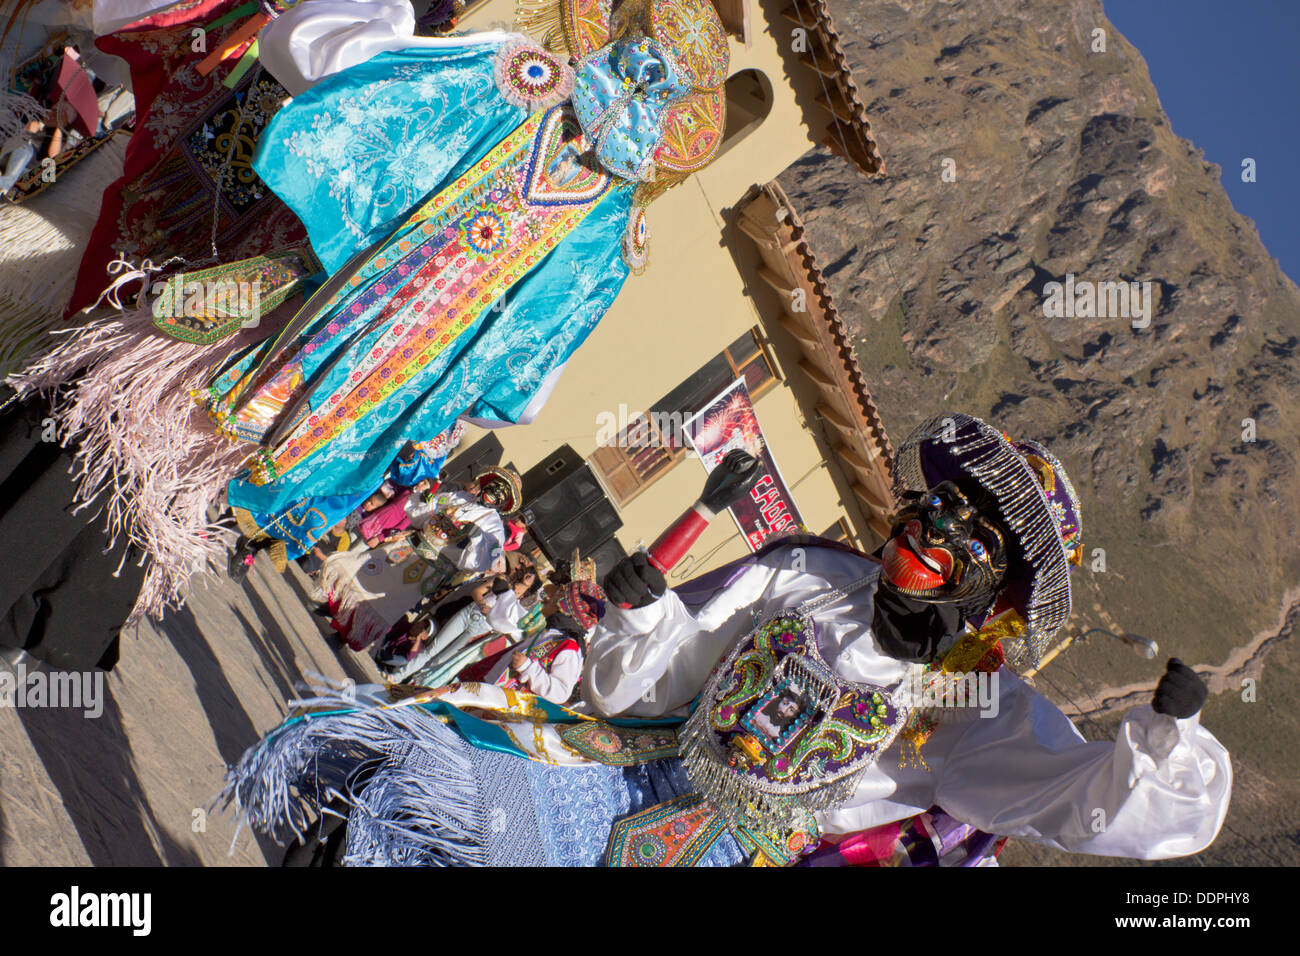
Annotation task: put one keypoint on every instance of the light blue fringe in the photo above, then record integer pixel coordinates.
(421, 807)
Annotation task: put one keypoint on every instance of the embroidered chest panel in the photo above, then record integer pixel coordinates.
(775, 719)
(445, 526)
(545, 652)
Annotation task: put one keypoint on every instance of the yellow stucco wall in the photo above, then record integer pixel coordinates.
(689, 305)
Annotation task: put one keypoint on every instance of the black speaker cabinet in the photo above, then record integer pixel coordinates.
(585, 532)
(549, 472)
(461, 468)
(606, 556)
(563, 503)
(565, 506)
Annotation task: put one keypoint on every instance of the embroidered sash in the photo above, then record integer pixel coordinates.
(677, 833)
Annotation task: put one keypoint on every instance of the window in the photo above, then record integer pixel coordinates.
(653, 442)
(749, 100)
(634, 459)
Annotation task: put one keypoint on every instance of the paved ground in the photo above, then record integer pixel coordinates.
(189, 695)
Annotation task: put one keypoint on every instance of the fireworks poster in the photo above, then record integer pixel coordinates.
(728, 422)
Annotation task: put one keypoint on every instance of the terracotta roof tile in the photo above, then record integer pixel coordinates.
(850, 133)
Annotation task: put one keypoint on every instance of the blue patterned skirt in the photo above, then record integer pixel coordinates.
(416, 793)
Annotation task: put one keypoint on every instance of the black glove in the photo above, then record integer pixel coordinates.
(733, 477)
(635, 582)
(1180, 692)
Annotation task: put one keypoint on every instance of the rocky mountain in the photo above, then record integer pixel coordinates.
(1021, 153)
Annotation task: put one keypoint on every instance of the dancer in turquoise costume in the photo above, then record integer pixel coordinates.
(475, 205)
(352, 155)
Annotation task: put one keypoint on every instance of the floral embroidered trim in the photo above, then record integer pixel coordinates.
(530, 78)
(485, 232)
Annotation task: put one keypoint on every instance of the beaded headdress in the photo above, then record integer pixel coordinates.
(580, 568)
(1035, 501)
(584, 601)
(693, 38)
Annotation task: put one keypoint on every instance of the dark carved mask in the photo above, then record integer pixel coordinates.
(948, 547)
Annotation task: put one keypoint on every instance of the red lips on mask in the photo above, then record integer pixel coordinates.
(904, 567)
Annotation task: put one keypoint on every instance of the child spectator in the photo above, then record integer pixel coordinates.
(550, 664)
(495, 607)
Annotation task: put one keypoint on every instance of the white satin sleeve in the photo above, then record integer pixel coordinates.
(318, 38)
(652, 660)
(1160, 790)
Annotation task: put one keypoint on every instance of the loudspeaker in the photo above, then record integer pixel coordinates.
(549, 472)
(585, 532)
(573, 512)
(564, 502)
(606, 556)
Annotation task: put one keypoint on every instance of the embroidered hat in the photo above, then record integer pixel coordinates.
(688, 35)
(621, 96)
(581, 569)
(1035, 499)
(502, 488)
(584, 601)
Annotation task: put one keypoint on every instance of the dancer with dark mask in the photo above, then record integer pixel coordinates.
(973, 581)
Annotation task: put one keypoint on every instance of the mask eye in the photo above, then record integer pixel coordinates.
(934, 501)
(977, 549)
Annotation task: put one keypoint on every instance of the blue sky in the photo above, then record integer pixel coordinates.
(1228, 76)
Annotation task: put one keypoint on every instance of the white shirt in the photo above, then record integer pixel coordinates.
(1161, 790)
(505, 611)
(418, 511)
(555, 685)
(485, 530)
